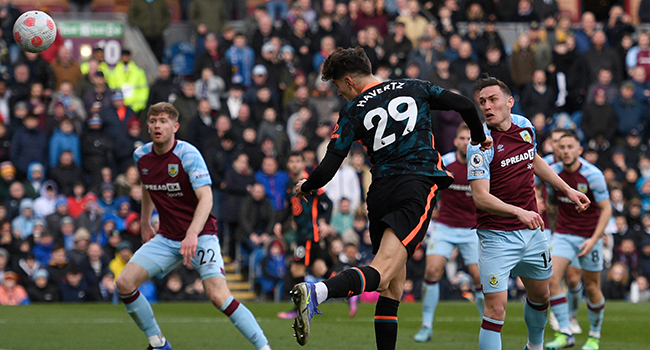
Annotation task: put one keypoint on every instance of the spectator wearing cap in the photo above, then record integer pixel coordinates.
(123, 253)
(81, 241)
(65, 68)
(99, 92)
(131, 80)
(163, 89)
(630, 113)
(97, 150)
(115, 119)
(598, 117)
(241, 57)
(28, 144)
(152, 17)
(12, 293)
(65, 236)
(23, 224)
(270, 58)
(53, 220)
(41, 290)
(260, 75)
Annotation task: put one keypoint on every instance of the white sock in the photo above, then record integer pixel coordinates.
(321, 292)
(266, 347)
(594, 334)
(157, 340)
(534, 346)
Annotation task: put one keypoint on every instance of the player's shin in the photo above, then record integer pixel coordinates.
(353, 281)
(489, 338)
(140, 311)
(386, 323)
(560, 308)
(245, 322)
(430, 302)
(535, 318)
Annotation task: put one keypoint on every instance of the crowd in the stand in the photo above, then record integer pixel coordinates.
(70, 195)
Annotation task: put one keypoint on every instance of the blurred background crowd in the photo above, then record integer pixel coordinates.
(70, 195)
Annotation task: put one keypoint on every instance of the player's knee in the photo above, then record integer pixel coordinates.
(433, 273)
(124, 284)
(592, 289)
(495, 311)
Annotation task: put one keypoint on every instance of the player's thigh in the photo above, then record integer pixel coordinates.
(535, 257)
(131, 277)
(208, 261)
(593, 260)
(560, 265)
(404, 205)
(536, 290)
(158, 256)
(468, 247)
(498, 254)
(566, 246)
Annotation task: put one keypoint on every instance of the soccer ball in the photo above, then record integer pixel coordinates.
(34, 31)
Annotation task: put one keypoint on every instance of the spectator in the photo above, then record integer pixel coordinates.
(123, 253)
(23, 224)
(207, 17)
(630, 113)
(210, 87)
(274, 181)
(523, 62)
(616, 286)
(44, 204)
(91, 218)
(79, 200)
(131, 80)
(494, 66)
(65, 236)
(241, 58)
(98, 95)
(368, 16)
(538, 96)
(28, 144)
(108, 291)
(12, 293)
(20, 84)
(41, 291)
(115, 119)
(237, 180)
(152, 17)
(4, 259)
(35, 176)
(36, 104)
(343, 219)
(598, 117)
(202, 128)
(43, 248)
(94, 267)
(65, 68)
(16, 195)
(172, 289)
(491, 37)
(604, 81)
(273, 270)
(66, 173)
(424, 56)
(39, 70)
(187, 105)
(74, 288)
(96, 149)
(57, 265)
(600, 57)
(61, 209)
(74, 107)
(163, 89)
(344, 184)
(256, 221)
(81, 243)
(64, 139)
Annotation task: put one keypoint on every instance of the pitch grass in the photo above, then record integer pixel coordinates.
(199, 326)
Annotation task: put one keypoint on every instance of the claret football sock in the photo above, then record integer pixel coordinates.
(430, 302)
(140, 311)
(353, 281)
(386, 323)
(244, 321)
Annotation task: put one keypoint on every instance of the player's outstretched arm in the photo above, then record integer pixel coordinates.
(323, 173)
(203, 208)
(544, 172)
(605, 214)
(463, 105)
(486, 201)
(147, 231)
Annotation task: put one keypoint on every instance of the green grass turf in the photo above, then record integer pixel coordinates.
(198, 326)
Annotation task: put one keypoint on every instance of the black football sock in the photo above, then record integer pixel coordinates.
(353, 281)
(386, 323)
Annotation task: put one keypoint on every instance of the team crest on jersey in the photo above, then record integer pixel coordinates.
(477, 160)
(493, 279)
(172, 169)
(582, 188)
(525, 135)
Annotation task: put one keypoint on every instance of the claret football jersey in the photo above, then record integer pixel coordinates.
(509, 167)
(457, 207)
(170, 179)
(589, 180)
(393, 122)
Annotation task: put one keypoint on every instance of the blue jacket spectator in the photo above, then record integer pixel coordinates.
(65, 139)
(23, 224)
(274, 181)
(28, 144)
(242, 58)
(630, 113)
